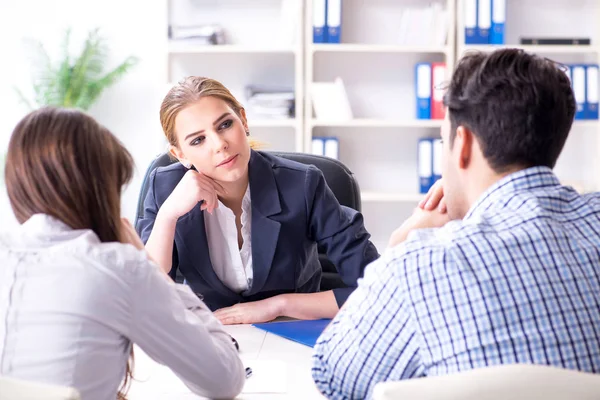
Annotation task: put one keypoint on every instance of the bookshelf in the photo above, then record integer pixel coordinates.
(191, 48)
(377, 48)
(380, 143)
(578, 164)
(377, 123)
(556, 50)
(252, 55)
(383, 197)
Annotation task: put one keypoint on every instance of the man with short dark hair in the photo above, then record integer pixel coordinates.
(514, 277)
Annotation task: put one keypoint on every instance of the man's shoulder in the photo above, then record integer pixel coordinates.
(421, 248)
(433, 254)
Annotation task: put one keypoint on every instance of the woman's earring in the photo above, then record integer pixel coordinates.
(247, 133)
(187, 165)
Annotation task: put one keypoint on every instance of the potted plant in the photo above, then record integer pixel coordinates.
(74, 82)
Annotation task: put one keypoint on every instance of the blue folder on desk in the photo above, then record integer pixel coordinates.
(304, 332)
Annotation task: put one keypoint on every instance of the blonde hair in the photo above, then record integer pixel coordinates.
(189, 91)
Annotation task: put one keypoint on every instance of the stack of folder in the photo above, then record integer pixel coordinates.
(424, 26)
(584, 81)
(484, 21)
(327, 21)
(326, 146)
(429, 89)
(270, 102)
(429, 153)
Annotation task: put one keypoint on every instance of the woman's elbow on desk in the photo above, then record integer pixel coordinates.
(232, 382)
(228, 370)
(226, 381)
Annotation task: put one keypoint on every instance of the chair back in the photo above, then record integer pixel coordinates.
(161, 161)
(339, 178)
(514, 382)
(16, 389)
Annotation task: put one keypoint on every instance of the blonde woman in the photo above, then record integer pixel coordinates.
(243, 226)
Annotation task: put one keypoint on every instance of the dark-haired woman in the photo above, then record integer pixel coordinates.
(76, 286)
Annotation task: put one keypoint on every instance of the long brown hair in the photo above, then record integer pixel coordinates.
(189, 91)
(64, 164)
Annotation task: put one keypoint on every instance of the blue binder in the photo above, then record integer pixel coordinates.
(579, 89)
(425, 164)
(423, 90)
(591, 92)
(334, 21)
(303, 332)
(320, 21)
(332, 148)
(498, 20)
(470, 21)
(318, 146)
(484, 21)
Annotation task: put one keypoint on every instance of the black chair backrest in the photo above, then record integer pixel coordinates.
(339, 178)
(161, 161)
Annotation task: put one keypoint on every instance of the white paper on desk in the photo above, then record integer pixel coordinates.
(268, 376)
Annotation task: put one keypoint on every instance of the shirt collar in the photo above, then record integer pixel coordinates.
(43, 228)
(246, 199)
(523, 180)
(246, 202)
(38, 223)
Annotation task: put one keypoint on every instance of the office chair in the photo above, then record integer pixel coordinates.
(515, 382)
(339, 178)
(17, 389)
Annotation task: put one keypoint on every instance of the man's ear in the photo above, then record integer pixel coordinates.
(463, 146)
(178, 154)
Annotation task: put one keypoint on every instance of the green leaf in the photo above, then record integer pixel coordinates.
(63, 81)
(95, 88)
(75, 82)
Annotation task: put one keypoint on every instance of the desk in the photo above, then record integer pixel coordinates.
(154, 381)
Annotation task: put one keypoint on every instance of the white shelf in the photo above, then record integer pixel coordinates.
(391, 197)
(417, 123)
(591, 123)
(376, 48)
(272, 123)
(378, 123)
(567, 49)
(191, 48)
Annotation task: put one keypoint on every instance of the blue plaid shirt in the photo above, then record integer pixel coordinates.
(516, 281)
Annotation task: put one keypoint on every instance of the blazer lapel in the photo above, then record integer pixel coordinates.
(193, 235)
(265, 231)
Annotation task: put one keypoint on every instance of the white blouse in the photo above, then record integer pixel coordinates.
(70, 307)
(232, 265)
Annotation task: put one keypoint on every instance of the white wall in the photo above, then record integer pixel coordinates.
(130, 108)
